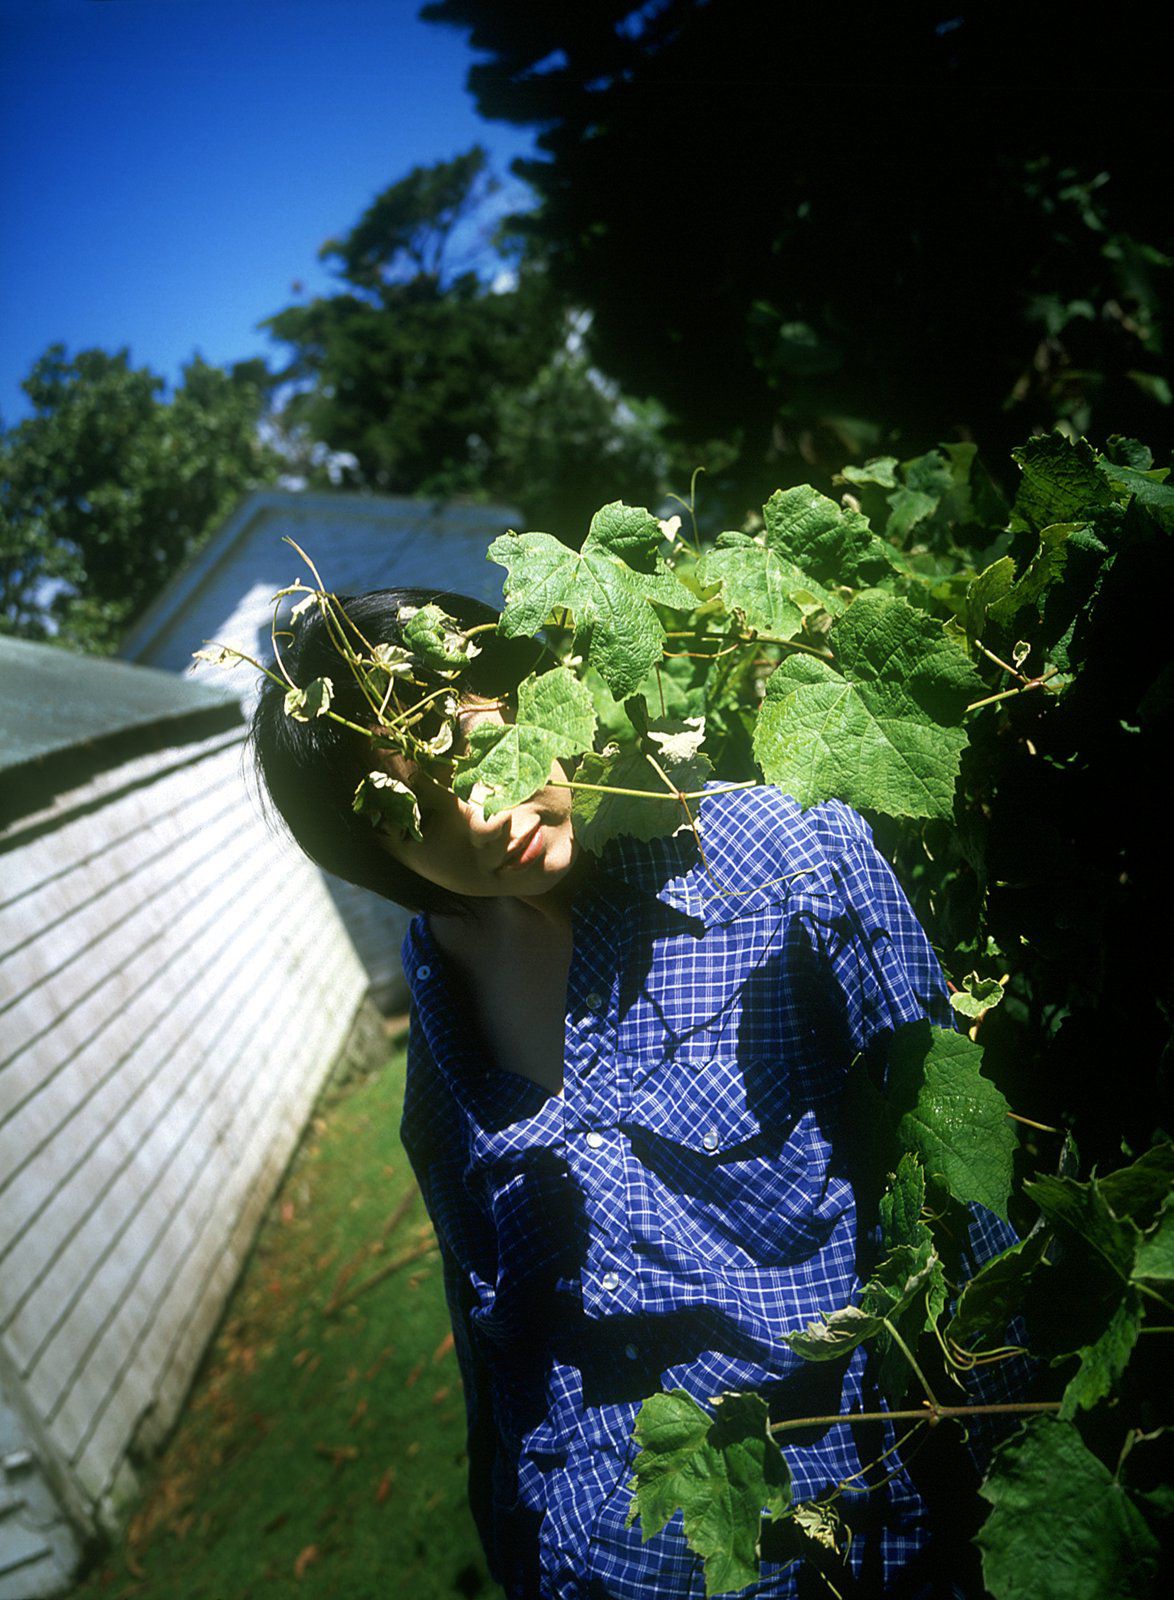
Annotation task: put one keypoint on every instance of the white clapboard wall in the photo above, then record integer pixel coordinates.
(174, 985)
(358, 542)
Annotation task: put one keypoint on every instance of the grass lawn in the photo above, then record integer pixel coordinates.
(321, 1451)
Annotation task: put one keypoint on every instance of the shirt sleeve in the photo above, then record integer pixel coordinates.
(888, 975)
(482, 1435)
(881, 961)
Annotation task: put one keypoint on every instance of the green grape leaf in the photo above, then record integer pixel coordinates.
(1073, 1300)
(1152, 492)
(994, 1295)
(312, 701)
(976, 995)
(1060, 482)
(950, 1115)
(1080, 1213)
(555, 717)
(901, 1205)
(1120, 450)
(1155, 1253)
(882, 731)
(901, 1225)
(831, 544)
(600, 818)
(722, 1473)
(759, 580)
(1061, 1527)
(908, 507)
(932, 474)
(892, 1289)
(881, 470)
(1103, 1361)
(1139, 1190)
(434, 638)
(668, 692)
(388, 803)
(1044, 568)
(991, 585)
(606, 586)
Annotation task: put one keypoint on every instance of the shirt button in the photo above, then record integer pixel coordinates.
(631, 1352)
(610, 1281)
(595, 999)
(710, 1139)
(595, 1140)
(423, 972)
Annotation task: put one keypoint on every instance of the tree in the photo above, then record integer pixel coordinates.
(404, 367)
(439, 379)
(827, 236)
(110, 486)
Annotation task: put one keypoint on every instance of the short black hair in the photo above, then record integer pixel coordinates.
(310, 769)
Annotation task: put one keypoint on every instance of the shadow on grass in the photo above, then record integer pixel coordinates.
(321, 1452)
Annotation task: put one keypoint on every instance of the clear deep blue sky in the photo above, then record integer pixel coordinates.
(169, 168)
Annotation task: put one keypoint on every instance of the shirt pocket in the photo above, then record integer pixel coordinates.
(735, 1173)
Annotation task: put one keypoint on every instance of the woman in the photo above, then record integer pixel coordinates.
(623, 1106)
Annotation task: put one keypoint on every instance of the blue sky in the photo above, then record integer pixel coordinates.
(170, 167)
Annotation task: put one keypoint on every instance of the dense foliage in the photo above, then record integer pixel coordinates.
(445, 364)
(960, 671)
(109, 486)
(820, 231)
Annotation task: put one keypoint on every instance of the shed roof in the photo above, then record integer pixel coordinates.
(54, 700)
(359, 541)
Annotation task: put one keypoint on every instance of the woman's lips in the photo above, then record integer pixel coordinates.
(527, 849)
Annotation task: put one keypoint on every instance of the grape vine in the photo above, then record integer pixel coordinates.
(954, 666)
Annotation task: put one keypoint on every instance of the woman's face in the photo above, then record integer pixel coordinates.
(522, 852)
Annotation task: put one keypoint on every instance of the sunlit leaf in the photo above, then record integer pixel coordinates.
(435, 638)
(606, 587)
(899, 1279)
(953, 1117)
(976, 995)
(882, 731)
(1060, 482)
(555, 717)
(1155, 1253)
(303, 705)
(601, 817)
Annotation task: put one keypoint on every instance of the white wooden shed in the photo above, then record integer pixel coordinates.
(175, 984)
(358, 542)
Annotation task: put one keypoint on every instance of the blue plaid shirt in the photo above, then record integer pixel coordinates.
(680, 1206)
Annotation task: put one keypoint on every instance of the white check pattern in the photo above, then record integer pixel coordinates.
(684, 1203)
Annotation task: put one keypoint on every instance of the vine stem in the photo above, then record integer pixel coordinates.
(281, 683)
(999, 662)
(931, 1398)
(933, 1414)
(1154, 1295)
(654, 794)
(742, 639)
(1008, 694)
(1028, 1123)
